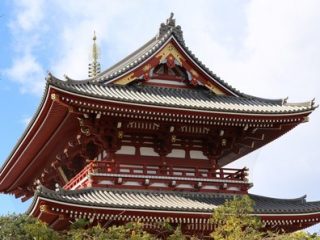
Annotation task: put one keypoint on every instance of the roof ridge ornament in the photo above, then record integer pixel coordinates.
(170, 25)
(171, 21)
(94, 66)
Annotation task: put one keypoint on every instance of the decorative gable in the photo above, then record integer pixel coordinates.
(171, 67)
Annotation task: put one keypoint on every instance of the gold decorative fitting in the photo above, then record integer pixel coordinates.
(120, 134)
(173, 138)
(54, 97)
(43, 208)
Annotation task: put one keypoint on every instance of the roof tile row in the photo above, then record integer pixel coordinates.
(172, 201)
(200, 98)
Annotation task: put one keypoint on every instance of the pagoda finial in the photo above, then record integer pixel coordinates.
(94, 66)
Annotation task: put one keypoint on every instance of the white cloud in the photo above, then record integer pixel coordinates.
(29, 14)
(280, 57)
(276, 49)
(26, 29)
(282, 42)
(28, 73)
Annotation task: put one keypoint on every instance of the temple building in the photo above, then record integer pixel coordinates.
(148, 140)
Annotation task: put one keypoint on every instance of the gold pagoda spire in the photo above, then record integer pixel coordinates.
(94, 66)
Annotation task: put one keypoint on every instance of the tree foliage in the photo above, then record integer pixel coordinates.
(80, 230)
(22, 227)
(299, 235)
(12, 227)
(234, 220)
(177, 235)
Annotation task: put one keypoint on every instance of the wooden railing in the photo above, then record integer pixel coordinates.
(222, 173)
(80, 176)
(144, 170)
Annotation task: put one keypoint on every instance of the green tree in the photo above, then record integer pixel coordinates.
(80, 230)
(40, 231)
(16, 227)
(177, 235)
(11, 227)
(234, 220)
(299, 235)
(132, 230)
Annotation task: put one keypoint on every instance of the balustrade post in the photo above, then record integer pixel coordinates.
(144, 169)
(221, 173)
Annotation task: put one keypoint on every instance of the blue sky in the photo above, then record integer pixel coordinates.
(266, 48)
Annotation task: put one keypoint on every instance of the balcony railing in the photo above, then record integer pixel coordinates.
(108, 167)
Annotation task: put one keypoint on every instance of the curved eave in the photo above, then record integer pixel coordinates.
(28, 131)
(156, 202)
(38, 200)
(33, 138)
(84, 91)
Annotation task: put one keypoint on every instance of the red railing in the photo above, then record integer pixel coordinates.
(223, 173)
(143, 170)
(80, 176)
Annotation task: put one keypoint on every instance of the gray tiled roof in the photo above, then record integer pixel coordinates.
(199, 98)
(172, 201)
(102, 86)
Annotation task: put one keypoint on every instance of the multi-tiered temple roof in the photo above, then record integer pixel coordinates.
(148, 140)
